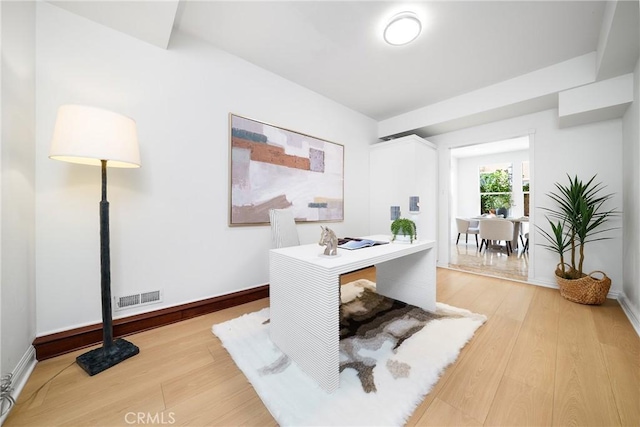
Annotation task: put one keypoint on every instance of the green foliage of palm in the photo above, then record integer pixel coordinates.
(580, 215)
(558, 240)
(404, 226)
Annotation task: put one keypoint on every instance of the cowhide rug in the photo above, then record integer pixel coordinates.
(368, 321)
(391, 355)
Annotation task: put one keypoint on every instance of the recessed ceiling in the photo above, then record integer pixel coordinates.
(336, 48)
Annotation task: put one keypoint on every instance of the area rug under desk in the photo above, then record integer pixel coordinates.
(391, 356)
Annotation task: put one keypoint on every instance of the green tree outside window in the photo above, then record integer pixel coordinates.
(495, 190)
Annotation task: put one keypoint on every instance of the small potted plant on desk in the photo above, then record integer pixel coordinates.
(580, 215)
(403, 230)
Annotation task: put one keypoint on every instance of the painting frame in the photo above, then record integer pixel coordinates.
(272, 167)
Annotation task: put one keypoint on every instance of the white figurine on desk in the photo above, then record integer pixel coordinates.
(329, 239)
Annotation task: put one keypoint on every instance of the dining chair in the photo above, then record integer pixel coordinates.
(523, 228)
(496, 230)
(467, 227)
(283, 228)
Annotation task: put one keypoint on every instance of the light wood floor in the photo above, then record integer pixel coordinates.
(493, 261)
(538, 360)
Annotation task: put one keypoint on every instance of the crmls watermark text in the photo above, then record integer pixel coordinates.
(149, 418)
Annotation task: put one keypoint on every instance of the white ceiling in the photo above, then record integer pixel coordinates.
(335, 48)
(151, 21)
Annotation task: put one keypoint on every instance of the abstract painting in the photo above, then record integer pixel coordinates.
(276, 168)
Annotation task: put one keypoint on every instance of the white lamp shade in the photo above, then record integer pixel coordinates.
(87, 135)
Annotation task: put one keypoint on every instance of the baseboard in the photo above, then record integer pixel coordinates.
(629, 310)
(622, 299)
(21, 374)
(53, 345)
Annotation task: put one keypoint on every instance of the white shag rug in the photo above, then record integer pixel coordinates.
(402, 376)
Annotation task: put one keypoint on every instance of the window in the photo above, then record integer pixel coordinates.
(495, 187)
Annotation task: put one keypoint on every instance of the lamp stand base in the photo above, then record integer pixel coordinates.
(98, 360)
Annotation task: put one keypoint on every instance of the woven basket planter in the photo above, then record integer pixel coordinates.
(585, 290)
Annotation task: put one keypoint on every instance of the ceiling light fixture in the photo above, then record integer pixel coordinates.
(402, 28)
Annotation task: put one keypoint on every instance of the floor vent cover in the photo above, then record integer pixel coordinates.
(138, 299)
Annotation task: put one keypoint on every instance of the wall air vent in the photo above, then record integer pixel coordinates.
(138, 299)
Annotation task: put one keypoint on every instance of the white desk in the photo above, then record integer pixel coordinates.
(304, 291)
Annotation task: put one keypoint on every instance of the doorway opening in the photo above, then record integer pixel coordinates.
(490, 181)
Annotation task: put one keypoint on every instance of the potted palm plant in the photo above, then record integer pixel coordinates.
(403, 229)
(577, 219)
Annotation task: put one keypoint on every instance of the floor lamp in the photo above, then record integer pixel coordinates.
(93, 136)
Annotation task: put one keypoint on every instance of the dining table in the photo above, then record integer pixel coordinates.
(517, 225)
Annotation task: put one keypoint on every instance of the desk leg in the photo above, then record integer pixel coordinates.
(410, 279)
(305, 305)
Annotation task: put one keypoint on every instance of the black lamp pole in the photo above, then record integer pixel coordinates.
(105, 264)
(112, 352)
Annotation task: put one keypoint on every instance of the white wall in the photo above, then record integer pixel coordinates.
(468, 182)
(631, 204)
(583, 150)
(402, 168)
(169, 218)
(17, 182)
